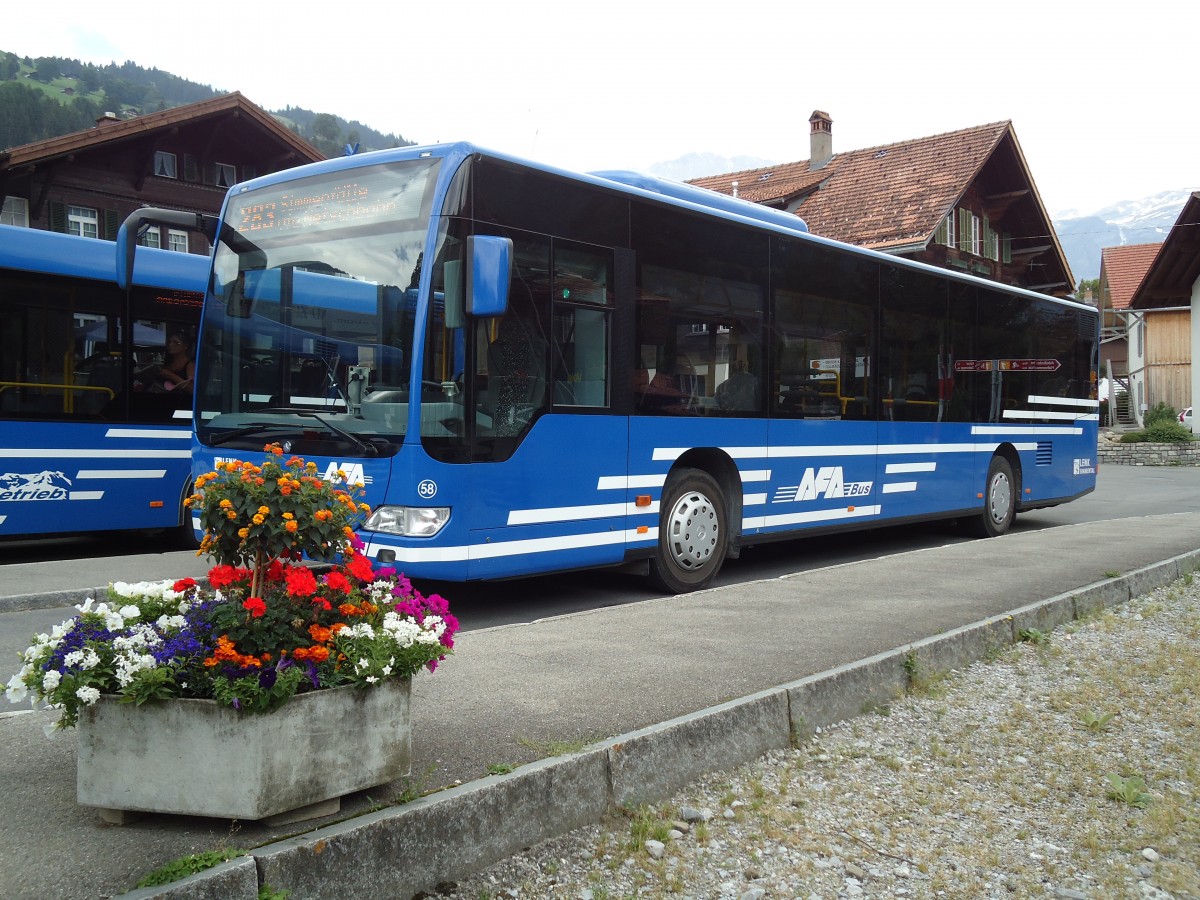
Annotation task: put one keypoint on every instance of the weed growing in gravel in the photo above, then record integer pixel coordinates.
(1095, 721)
(1130, 790)
(1033, 636)
(501, 768)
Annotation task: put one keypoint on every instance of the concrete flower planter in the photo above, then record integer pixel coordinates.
(193, 757)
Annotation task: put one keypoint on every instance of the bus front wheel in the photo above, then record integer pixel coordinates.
(692, 532)
(999, 500)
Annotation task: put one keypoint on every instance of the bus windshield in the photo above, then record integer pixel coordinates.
(309, 326)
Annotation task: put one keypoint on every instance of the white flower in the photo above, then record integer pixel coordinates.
(130, 611)
(90, 659)
(16, 690)
(387, 670)
(88, 695)
(50, 681)
(167, 623)
(371, 679)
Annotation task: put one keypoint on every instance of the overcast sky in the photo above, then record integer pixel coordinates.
(1101, 94)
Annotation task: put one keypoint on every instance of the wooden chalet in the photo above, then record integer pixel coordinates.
(1163, 341)
(964, 200)
(182, 158)
(1121, 271)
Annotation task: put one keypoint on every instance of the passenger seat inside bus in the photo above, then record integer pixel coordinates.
(516, 375)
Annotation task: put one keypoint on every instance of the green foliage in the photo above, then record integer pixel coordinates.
(266, 892)
(1129, 790)
(188, 865)
(1094, 721)
(501, 768)
(1160, 412)
(35, 103)
(1168, 432)
(1034, 636)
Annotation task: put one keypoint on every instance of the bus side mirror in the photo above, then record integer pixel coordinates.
(489, 269)
(128, 232)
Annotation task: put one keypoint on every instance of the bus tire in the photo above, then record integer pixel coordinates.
(692, 532)
(999, 500)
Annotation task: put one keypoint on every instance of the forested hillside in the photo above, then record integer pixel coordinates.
(47, 96)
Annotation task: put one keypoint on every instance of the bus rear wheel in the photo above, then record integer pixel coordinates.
(692, 532)
(999, 500)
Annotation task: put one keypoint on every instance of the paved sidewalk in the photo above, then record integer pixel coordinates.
(660, 690)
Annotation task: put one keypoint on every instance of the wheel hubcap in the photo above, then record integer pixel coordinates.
(999, 498)
(692, 531)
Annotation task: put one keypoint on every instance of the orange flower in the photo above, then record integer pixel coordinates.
(292, 526)
(319, 633)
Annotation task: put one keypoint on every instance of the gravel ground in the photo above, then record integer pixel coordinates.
(1018, 777)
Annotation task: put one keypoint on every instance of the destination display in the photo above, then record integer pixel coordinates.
(339, 200)
(1007, 365)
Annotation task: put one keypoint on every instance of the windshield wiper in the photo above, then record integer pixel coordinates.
(365, 446)
(243, 431)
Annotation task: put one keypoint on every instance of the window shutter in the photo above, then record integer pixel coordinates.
(58, 217)
(1006, 248)
(112, 223)
(964, 229)
(191, 170)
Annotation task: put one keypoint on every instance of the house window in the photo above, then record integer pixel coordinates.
(164, 164)
(15, 212)
(226, 175)
(83, 222)
(151, 238)
(945, 231)
(177, 240)
(976, 236)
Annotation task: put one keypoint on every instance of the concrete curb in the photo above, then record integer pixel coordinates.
(448, 835)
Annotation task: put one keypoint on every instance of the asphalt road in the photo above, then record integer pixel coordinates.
(628, 659)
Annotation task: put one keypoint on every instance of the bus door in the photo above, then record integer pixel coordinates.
(546, 450)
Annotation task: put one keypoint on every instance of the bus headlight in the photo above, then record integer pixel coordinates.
(409, 521)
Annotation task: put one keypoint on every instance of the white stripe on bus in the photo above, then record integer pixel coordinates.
(900, 487)
(72, 453)
(85, 495)
(906, 468)
(151, 433)
(122, 473)
(1063, 401)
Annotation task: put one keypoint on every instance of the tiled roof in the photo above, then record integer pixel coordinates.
(881, 197)
(124, 129)
(1123, 268)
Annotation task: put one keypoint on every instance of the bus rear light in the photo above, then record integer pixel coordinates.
(409, 521)
(641, 500)
(156, 504)
(643, 529)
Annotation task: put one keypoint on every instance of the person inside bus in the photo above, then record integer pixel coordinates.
(178, 369)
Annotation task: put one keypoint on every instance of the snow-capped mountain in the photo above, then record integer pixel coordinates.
(1144, 221)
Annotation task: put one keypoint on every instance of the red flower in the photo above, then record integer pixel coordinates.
(183, 584)
(256, 605)
(360, 567)
(300, 581)
(223, 576)
(275, 571)
(338, 582)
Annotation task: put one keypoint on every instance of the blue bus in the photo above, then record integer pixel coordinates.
(88, 441)
(533, 370)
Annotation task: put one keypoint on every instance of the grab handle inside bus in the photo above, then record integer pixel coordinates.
(488, 273)
(127, 234)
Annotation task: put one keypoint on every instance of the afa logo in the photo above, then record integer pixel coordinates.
(40, 486)
(352, 472)
(825, 483)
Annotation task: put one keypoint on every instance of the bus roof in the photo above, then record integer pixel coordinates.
(34, 250)
(639, 184)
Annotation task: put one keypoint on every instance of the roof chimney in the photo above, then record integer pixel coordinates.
(106, 118)
(820, 140)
